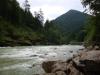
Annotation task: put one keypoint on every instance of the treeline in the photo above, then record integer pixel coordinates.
(17, 26)
(20, 27)
(11, 12)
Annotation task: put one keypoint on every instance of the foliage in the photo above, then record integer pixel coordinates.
(52, 33)
(93, 28)
(11, 35)
(39, 16)
(18, 27)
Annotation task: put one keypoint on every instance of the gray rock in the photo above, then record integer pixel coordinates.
(33, 55)
(85, 63)
(71, 51)
(59, 66)
(88, 62)
(47, 66)
(49, 74)
(60, 73)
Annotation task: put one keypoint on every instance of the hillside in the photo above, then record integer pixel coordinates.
(72, 24)
(18, 26)
(71, 21)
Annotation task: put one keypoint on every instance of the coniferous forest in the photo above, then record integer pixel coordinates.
(19, 26)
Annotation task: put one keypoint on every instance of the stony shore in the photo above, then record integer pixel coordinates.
(85, 63)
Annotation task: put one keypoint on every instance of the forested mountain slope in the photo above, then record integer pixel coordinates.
(72, 24)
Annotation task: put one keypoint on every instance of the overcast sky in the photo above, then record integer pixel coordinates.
(53, 8)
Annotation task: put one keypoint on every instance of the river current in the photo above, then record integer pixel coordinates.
(26, 60)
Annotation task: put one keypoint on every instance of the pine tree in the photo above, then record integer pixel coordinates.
(39, 16)
(27, 6)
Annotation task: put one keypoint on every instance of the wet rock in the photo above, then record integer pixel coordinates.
(55, 48)
(60, 73)
(64, 54)
(71, 51)
(36, 74)
(88, 63)
(69, 60)
(54, 66)
(41, 56)
(33, 65)
(81, 49)
(56, 73)
(53, 56)
(30, 67)
(71, 70)
(49, 74)
(85, 63)
(59, 66)
(96, 48)
(33, 55)
(89, 47)
(46, 54)
(47, 66)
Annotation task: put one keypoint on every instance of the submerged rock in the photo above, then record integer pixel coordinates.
(71, 51)
(33, 55)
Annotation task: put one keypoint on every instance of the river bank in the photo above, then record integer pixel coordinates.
(84, 63)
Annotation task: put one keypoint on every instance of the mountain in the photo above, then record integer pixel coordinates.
(71, 24)
(71, 21)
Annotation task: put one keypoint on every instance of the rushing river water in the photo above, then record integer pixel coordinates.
(27, 60)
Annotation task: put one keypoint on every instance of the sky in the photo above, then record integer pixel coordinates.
(53, 8)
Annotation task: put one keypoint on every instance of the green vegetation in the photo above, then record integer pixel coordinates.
(71, 25)
(93, 28)
(19, 27)
(11, 35)
(52, 33)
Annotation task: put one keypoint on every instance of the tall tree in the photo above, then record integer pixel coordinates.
(26, 6)
(39, 16)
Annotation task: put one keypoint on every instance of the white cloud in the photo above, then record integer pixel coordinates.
(49, 11)
(54, 8)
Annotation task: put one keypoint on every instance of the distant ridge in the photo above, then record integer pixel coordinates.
(71, 23)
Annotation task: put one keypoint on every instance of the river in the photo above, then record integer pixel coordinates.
(26, 60)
